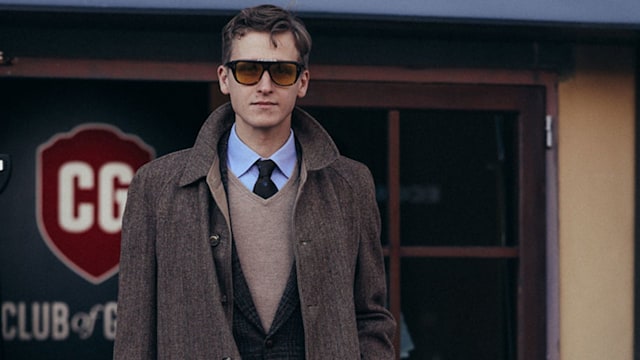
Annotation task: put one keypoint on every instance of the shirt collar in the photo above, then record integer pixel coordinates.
(240, 157)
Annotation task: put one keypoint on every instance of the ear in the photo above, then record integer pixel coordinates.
(304, 83)
(223, 79)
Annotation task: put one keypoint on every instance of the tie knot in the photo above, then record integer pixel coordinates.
(265, 167)
(264, 185)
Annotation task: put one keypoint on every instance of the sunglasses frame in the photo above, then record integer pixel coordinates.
(266, 66)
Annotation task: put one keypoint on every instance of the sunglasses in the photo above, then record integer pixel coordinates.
(249, 72)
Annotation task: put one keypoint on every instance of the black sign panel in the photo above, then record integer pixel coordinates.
(74, 146)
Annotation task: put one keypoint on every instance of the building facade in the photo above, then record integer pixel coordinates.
(503, 147)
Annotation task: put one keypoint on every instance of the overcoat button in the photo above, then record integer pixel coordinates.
(214, 240)
(268, 343)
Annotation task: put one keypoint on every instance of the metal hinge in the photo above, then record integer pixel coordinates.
(5, 170)
(548, 128)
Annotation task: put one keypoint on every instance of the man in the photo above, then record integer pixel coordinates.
(228, 257)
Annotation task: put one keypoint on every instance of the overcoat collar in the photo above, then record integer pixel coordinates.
(318, 149)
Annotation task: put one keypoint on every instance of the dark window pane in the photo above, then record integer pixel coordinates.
(459, 309)
(457, 176)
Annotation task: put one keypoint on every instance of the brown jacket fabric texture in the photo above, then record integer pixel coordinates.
(175, 289)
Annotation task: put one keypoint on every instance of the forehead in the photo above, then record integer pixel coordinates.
(260, 45)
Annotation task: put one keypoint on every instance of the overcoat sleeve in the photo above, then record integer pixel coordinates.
(376, 326)
(136, 322)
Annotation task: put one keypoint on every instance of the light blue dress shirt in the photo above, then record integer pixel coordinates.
(241, 161)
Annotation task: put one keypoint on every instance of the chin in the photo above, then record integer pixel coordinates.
(267, 122)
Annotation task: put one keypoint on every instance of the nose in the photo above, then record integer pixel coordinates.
(265, 84)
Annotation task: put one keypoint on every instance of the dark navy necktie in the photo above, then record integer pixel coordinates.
(264, 185)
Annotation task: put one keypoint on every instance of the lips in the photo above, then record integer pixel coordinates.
(263, 103)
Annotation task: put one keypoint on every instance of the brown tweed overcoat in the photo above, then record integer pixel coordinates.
(175, 293)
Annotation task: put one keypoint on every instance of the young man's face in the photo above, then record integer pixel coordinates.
(263, 109)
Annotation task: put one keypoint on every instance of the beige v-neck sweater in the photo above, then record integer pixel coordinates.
(262, 234)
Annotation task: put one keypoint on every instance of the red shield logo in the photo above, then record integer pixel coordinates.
(81, 191)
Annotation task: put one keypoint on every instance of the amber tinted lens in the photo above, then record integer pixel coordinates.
(284, 74)
(248, 73)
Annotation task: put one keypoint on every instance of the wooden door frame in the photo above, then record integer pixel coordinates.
(529, 103)
(449, 89)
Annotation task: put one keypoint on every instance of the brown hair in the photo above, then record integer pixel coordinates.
(269, 19)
